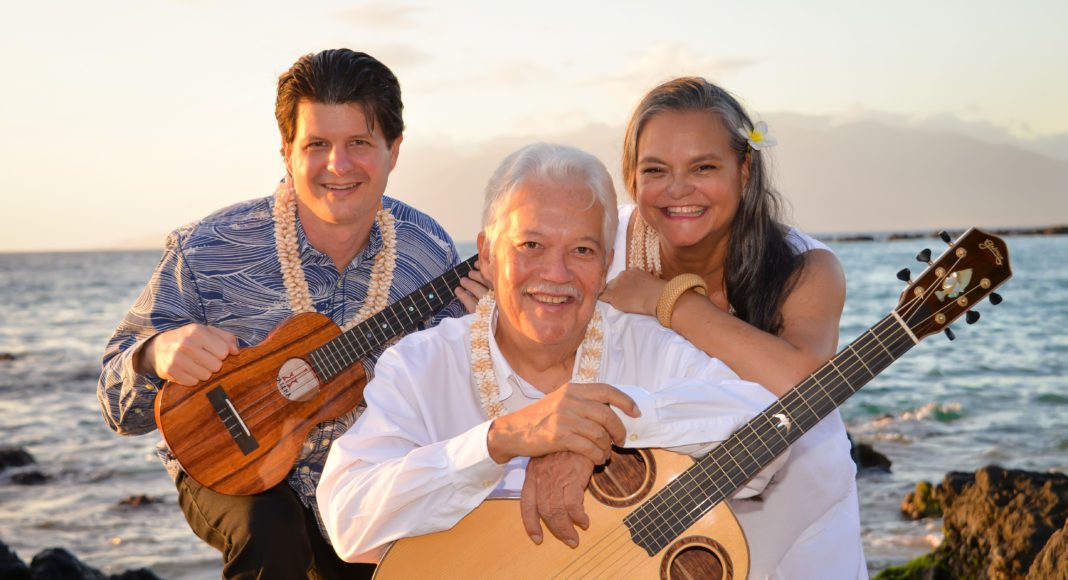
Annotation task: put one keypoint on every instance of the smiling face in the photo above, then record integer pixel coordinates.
(689, 181)
(340, 165)
(547, 261)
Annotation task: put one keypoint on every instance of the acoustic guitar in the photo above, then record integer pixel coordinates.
(240, 431)
(656, 514)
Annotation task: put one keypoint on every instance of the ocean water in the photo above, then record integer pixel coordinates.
(996, 395)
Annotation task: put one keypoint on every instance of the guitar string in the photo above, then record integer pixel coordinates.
(915, 302)
(263, 406)
(853, 370)
(635, 558)
(745, 441)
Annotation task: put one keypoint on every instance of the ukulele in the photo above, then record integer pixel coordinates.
(240, 431)
(657, 514)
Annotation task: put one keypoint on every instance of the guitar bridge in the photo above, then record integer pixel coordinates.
(231, 419)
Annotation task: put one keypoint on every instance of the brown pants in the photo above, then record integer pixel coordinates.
(264, 536)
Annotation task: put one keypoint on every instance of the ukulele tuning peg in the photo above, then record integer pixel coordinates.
(971, 317)
(924, 256)
(945, 236)
(995, 298)
(949, 334)
(904, 275)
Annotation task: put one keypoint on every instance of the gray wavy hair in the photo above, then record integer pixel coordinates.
(550, 162)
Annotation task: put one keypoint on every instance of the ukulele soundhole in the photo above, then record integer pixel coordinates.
(296, 381)
(696, 557)
(625, 479)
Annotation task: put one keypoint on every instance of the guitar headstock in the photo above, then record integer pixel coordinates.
(975, 264)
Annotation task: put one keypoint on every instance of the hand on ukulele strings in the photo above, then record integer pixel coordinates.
(472, 288)
(574, 417)
(187, 354)
(634, 291)
(553, 491)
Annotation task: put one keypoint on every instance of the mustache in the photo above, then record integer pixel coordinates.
(556, 289)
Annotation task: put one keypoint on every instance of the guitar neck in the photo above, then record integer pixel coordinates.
(734, 462)
(395, 320)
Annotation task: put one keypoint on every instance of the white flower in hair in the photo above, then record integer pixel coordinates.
(758, 138)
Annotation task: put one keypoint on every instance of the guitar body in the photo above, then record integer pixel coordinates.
(490, 542)
(240, 431)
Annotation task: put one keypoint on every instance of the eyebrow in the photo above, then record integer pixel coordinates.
(535, 233)
(702, 157)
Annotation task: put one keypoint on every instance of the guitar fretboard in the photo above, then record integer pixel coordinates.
(396, 319)
(717, 476)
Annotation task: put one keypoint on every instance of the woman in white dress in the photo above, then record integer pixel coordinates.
(694, 165)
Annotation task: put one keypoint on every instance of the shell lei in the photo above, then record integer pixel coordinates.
(285, 236)
(644, 247)
(489, 394)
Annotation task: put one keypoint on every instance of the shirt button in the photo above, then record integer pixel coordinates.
(633, 436)
(486, 483)
(339, 283)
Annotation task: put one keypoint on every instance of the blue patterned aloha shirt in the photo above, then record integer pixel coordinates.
(223, 271)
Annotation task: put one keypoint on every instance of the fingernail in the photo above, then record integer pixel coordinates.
(537, 539)
(572, 543)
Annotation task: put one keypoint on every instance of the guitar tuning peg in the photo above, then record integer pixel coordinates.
(972, 316)
(995, 298)
(945, 236)
(949, 334)
(904, 275)
(924, 256)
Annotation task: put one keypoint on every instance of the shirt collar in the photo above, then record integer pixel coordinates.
(309, 253)
(502, 371)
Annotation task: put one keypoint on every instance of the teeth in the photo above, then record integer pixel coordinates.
(550, 299)
(685, 210)
(333, 186)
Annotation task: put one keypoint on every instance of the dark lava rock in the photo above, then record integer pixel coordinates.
(866, 457)
(923, 502)
(29, 478)
(1052, 561)
(6, 356)
(11, 566)
(140, 500)
(59, 564)
(14, 457)
(998, 523)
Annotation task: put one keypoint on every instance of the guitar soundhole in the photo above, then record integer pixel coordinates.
(296, 381)
(625, 479)
(696, 557)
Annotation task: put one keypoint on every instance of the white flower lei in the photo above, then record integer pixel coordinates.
(489, 394)
(285, 236)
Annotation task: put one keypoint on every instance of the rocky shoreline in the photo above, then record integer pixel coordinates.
(998, 523)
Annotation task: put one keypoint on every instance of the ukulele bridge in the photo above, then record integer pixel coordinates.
(231, 419)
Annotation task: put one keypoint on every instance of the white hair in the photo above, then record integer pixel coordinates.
(553, 163)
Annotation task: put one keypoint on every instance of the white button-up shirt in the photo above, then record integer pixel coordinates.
(417, 460)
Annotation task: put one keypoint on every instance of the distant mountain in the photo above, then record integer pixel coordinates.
(837, 177)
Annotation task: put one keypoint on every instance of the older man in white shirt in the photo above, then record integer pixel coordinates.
(541, 372)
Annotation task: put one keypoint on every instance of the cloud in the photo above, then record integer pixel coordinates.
(666, 61)
(381, 15)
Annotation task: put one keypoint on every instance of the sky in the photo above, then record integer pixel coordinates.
(124, 120)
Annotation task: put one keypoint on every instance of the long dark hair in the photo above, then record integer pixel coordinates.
(761, 267)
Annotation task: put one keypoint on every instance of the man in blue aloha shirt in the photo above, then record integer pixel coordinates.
(220, 285)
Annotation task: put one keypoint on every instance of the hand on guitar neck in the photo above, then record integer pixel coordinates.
(187, 354)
